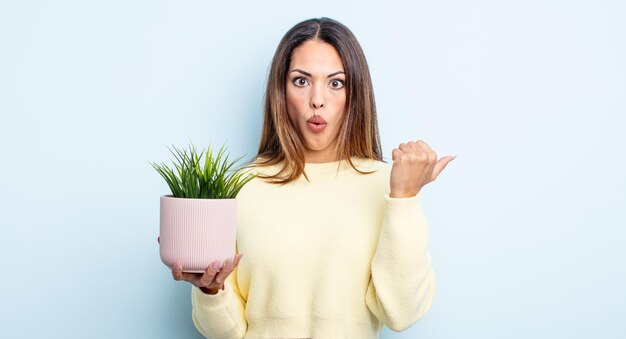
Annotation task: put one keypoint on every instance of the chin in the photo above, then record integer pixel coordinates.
(314, 148)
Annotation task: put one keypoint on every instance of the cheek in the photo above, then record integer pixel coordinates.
(338, 97)
(339, 103)
(291, 107)
(296, 104)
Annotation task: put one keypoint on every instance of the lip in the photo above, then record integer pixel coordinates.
(316, 124)
(316, 119)
(316, 128)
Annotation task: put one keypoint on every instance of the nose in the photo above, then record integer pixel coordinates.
(317, 97)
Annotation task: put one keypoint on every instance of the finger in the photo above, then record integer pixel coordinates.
(440, 165)
(210, 273)
(177, 271)
(224, 272)
(405, 148)
(234, 263)
(413, 148)
(237, 259)
(427, 148)
(395, 154)
(178, 274)
(421, 151)
(423, 144)
(412, 144)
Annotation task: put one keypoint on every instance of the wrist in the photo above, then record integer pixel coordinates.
(211, 291)
(402, 195)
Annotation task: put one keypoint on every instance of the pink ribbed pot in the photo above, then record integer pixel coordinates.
(196, 232)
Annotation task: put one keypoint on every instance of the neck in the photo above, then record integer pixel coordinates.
(319, 160)
(329, 154)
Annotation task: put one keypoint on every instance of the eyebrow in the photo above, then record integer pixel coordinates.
(309, 74)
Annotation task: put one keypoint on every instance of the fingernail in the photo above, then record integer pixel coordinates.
(228, 263)
(239, 256)
(177, 267)
(215, 265)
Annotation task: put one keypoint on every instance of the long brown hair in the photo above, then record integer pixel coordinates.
(358, 134)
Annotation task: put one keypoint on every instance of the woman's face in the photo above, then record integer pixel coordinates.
(315, 89)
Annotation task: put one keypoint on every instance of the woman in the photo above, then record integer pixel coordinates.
(335, 238)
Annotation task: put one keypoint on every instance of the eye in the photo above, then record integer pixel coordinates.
(336, 84)
(300, 82)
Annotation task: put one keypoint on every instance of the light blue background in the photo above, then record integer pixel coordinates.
(527, 224)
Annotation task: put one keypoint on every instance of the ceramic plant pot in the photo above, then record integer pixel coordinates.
(196, 232)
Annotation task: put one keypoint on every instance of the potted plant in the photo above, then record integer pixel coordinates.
(198, 220)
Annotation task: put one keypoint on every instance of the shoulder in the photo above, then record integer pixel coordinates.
(261, 167)
(374, 182)
(256, 164)
(368, 164)
(375, 173)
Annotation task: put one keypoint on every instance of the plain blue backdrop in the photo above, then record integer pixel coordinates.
(527, 224)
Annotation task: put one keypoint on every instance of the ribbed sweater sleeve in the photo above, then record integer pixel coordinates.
(221, 315)
(402, 282)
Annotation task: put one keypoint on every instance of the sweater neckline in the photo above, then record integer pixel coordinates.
(332, 167)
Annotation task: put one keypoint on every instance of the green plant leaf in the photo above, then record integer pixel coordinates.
(212, 178)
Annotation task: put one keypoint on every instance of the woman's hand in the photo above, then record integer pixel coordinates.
(414, 165)
(212, 280)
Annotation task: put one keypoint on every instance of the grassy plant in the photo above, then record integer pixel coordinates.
(212, 180)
